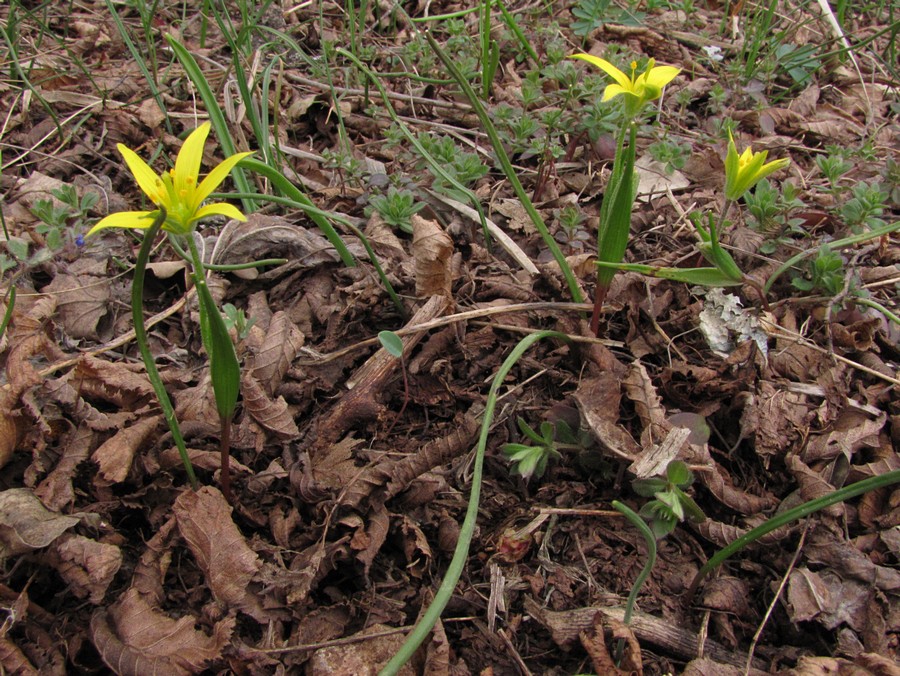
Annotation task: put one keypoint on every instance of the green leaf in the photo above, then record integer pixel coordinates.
(18, 247)
(701, 276)
(224, 367)
(527, 430)
(391, 342)
(678, 473)
(647, 488)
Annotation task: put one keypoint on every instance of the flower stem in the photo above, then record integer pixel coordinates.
(140, 334)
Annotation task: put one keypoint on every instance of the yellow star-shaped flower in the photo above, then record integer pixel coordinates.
(744, 171)
(178, 190)
(638, 89)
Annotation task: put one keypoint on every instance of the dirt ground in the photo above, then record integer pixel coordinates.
(351, 469)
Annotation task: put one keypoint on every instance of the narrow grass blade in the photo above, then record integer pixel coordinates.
(215, 113)
(461, 553)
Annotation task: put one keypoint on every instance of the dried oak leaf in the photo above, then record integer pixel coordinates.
(87, 566)
(272, 414)
(432, 251)
(82, 292)
(133, 638)
(282, 343)
(25, 524)
(229, 565)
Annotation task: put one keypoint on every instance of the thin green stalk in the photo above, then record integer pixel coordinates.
(508, 170)
(291, 191)
(650, 540)
(807, 508)
(520, 36)
(868, 302)
(467, 530)
(847, 241)
(140, 336)
(138, 59)
(215, 113)
(10, 306)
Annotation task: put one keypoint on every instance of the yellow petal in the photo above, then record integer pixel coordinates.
(604, 65)
(146, 178)
(215, 177)
(660, 76)
(614, 90)
(219, 209)
(125, 219)
(187, 165)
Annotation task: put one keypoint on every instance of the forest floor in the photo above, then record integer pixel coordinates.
(351, 469)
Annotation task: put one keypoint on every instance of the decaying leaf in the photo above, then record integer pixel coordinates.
(640, 389)
(87, 566)
(272, 414)
(135, 639)
(25, 524)
(204, 521)
(114, 456)
(432, 251)
(361, 658)
(82, 296)
(282, 343)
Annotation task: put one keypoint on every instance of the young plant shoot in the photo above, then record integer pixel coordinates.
(178, 196)
(636, 90)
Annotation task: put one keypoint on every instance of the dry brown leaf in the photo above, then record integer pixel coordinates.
(598, 401)
(640, 389)
(82, 292)
(9, 431)
(87, 566)
(204, 521)
(367, 542)
(272, 414)
(432, 251)
(125, 385)
(852, 431)
(594, 642)
(56, 490)
(14, 661)
(114, 456)
(135, 639)
(280, 347)
(25, 524)
(336, 468)
(264, 236)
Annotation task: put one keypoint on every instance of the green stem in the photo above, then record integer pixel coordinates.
(794, 514)
(467, 530)
(868, 302)
(291, 191)
(847, 241)
(140, 334)
(650, 539)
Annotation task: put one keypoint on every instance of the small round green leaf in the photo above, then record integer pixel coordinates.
(391, 342)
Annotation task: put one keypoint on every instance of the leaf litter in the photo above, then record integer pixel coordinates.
(346, 512)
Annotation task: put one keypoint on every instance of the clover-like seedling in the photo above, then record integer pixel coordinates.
(531, 460)
(670, 504)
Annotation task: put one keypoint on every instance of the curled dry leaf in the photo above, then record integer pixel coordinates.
(87, 566)
(272, 414)
(14, 661)
(640, 389)
(114, 456)
(133, 638)
(229, 565)
(82, 296)
(280, 347)
(432, 251)
(25, 524)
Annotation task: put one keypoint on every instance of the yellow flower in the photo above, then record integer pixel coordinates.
(638, 89)
(177, 189)
(744, 171)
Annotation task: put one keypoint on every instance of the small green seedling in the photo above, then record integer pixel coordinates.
(237, 320)
(670, 504)
(531, 460)
(393, 344)
(396, 208)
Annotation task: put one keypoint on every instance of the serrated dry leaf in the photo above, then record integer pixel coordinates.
(852, 431)
(56, 490)
(640, 389)
(87, 566)
(273, 414)
(135, 639)
(598, 401)
(229, 565)
(336, 467)
(114, 456)
(82, 293)
(280, 347)
(432, 251)
(25, 524)
(14, 661)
